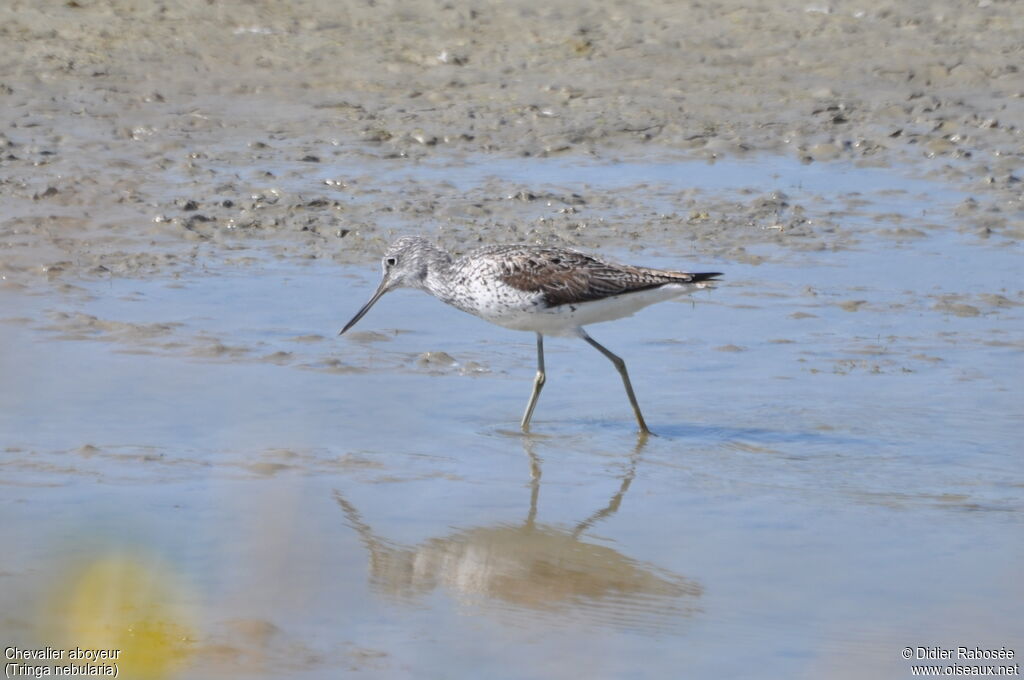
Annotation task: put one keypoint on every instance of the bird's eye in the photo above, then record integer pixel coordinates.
(390, 261)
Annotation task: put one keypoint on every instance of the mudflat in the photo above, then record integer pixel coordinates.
(196, 472)
(134, 131)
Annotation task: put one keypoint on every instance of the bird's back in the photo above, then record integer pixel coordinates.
(559, 276)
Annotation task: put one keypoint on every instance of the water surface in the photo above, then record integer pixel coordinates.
(836, 473)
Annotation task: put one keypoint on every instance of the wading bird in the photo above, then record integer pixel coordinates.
(550, 291)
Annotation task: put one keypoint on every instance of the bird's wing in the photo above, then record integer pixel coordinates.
(568, 277)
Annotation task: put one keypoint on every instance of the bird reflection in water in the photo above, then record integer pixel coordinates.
(534, 567)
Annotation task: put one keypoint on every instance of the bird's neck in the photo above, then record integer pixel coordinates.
(438, 264)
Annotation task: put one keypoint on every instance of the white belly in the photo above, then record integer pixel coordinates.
(565, 319)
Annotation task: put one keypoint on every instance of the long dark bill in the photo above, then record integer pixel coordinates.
(381, 289)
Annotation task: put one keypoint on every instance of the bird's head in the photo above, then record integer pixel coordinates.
(404, 265)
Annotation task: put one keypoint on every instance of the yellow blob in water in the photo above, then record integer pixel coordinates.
(131, 606)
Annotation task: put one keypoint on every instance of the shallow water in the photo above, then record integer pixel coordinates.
(836, 473)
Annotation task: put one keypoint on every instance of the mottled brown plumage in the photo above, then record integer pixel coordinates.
(568, 277)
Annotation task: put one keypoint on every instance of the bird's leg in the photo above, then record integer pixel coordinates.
(538, 383)
(620, 366)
